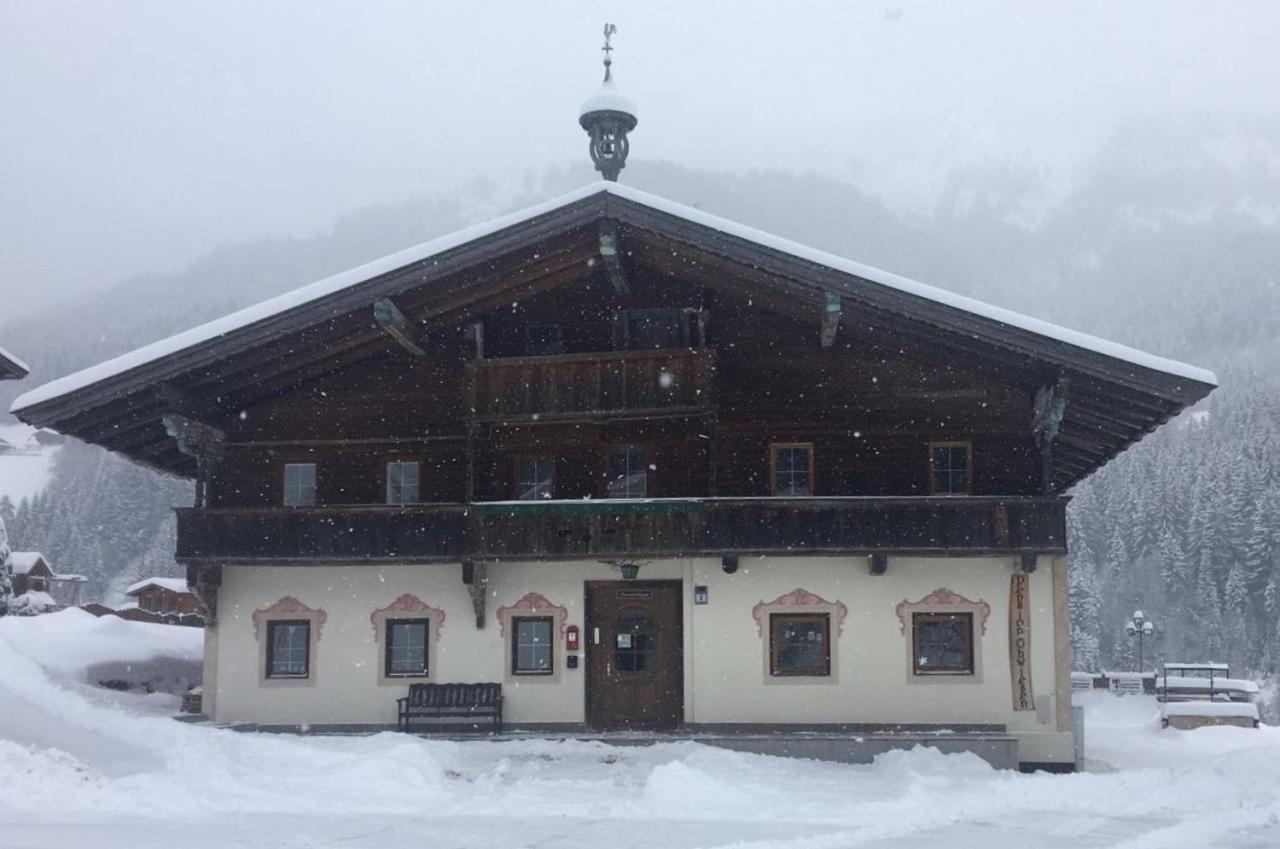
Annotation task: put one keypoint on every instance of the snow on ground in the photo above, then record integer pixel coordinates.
(85, 766)
(26, 471)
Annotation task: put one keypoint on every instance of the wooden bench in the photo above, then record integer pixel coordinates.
(430, 701)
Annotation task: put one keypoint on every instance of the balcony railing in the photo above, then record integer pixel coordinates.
(677, 527)
(609, 384)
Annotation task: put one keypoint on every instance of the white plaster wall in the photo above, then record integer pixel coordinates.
(725, 680)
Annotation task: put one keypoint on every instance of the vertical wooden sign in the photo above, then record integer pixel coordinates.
(1020, 642)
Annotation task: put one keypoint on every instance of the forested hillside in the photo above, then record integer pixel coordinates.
(1164, 242)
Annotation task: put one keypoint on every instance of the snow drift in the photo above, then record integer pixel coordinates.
(76, 760)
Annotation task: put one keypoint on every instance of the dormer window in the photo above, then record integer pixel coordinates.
(950, 468)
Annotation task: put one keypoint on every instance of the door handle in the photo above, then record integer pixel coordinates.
(595, 636)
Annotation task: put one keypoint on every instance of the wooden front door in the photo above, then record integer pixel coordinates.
(635, 671)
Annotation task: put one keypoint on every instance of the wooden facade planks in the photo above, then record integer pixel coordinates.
(786, 350)
(560, 530)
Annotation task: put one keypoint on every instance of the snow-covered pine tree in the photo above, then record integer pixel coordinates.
(6, 581)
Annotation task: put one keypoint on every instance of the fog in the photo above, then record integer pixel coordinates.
(137, 136)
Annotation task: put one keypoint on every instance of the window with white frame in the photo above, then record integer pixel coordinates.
(402, 482)
(407, 644)
(531, 646)
(288, 648)
(299, 484)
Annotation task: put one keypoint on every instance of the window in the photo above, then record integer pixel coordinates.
(407, 647)
(543, 340)
(950, 467)
(531, 646)
(942, 643)
(799, 644)
(299, 484)
(402, 482)
(535, 477)
(636, 638)
(288, 648)
(628, 475)
(791, 466)
(638, 330)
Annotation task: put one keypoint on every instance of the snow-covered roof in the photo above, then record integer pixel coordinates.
(22, 562)
(15, 365)
(177, 585)
(423, 253)
(33, 601)
(608, 98)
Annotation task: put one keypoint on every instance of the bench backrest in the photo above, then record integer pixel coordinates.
(454, 695)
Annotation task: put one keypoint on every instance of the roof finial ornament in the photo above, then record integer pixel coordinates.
(609, 30)
(608, 117)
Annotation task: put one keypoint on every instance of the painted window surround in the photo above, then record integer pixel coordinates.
(943, 600)
(288, 608)
(407, 606)
(800, 601)
(532, 605)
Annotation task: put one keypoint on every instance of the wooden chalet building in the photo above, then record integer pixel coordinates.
(643, 466)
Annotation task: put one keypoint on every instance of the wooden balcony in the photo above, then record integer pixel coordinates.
(614, 384)
(566, 530)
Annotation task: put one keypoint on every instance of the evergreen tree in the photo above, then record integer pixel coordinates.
(6, 580)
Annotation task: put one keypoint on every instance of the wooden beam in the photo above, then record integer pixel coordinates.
(204, 582)
(173, 399)
(879, 564)
(1027, 563)
(476, 578)
(529, 278)
(830, 319)
(1048, 410)
(395, 325)
(609, 245)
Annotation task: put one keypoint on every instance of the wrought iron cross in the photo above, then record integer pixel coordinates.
(609, 30)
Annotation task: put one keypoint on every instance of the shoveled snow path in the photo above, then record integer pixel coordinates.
(80, 766)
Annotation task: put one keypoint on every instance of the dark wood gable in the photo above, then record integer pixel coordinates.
(789, 349)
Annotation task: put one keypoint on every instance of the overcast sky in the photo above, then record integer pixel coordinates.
(135, 136)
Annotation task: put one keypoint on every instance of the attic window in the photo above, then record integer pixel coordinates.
(543, 340)
(638, 330)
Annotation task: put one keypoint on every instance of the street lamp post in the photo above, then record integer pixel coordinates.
(1141, 627)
